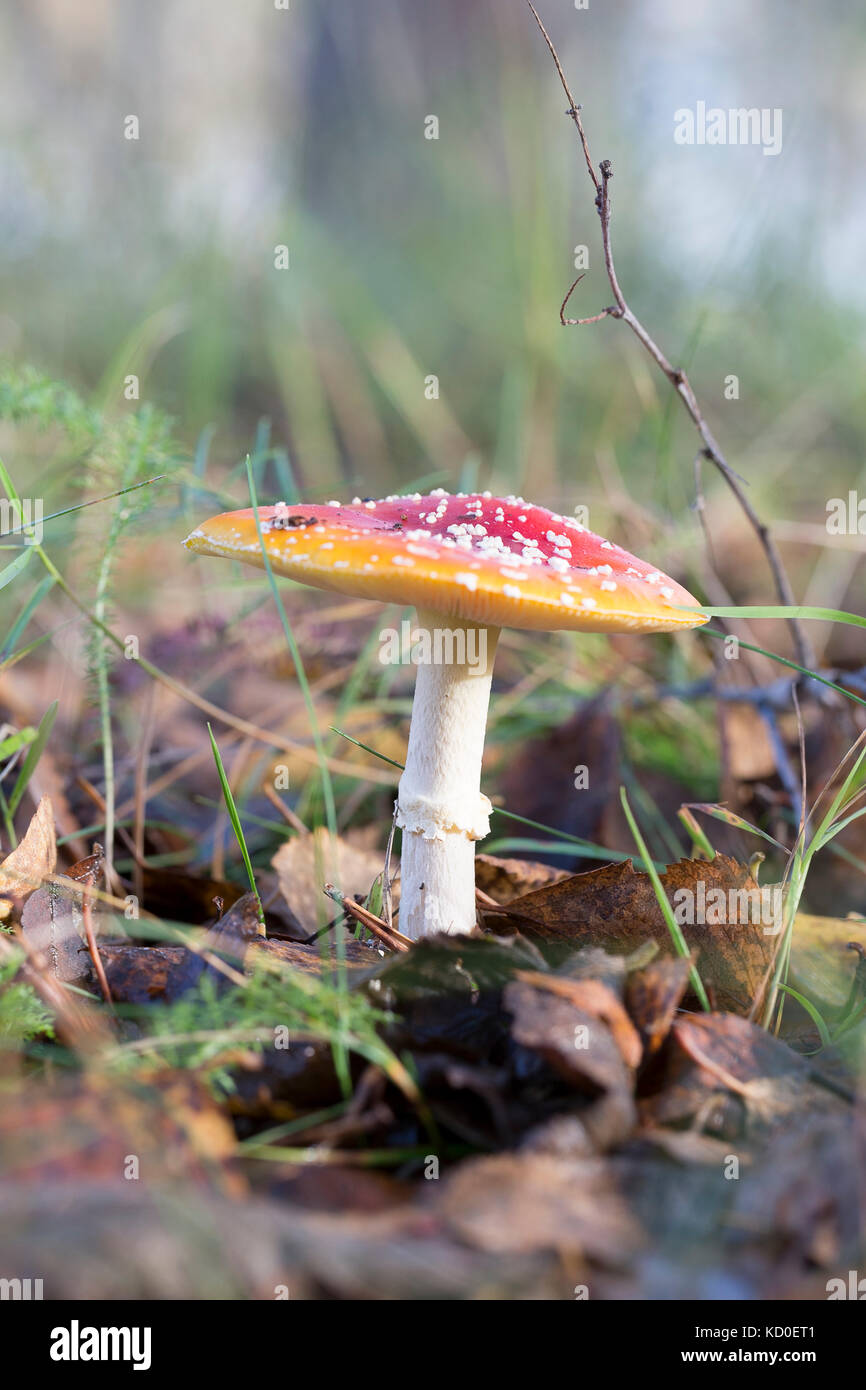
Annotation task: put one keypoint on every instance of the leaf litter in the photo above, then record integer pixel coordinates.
(531, 1110)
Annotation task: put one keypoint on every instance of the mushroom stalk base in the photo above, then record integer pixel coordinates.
(440, 807)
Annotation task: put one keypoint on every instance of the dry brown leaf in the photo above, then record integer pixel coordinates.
(734, 1051)
(307, 862)
(505, 879)
(23, 870)
(822, 959)
(90, 1127)
(516, 1203)
(751, 755)
(690, 1146)
(580, 1048)
(144, 974)
(733, 1076)
(53, 924)
(653, 996)
(616, 908)
(596, 998)
(309, 957)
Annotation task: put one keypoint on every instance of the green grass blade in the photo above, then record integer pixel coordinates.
(43, 588)
(784, 661)
(813, 1013)
(711, 808)
(820, 615)
(676, 931)
(17, 741)
(34, 753)
(696, 834)
(14, 568)
(236, 826)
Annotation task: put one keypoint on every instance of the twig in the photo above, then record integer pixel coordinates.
(389, 936)
(675, 375)
(593, 318)
(288, 815)
(387, 896)
(99, 802)
(92, 947)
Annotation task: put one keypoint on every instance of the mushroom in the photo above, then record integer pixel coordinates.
(471, 564)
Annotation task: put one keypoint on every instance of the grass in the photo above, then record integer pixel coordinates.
(235, 819)
(117, 452)
(676, 932)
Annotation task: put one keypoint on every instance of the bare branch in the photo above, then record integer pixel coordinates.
(675, 375)
(573, 108)
(567, 323)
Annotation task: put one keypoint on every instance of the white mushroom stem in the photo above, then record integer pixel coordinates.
(440, 807)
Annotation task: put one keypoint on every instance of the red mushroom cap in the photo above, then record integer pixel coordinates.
(494, 560)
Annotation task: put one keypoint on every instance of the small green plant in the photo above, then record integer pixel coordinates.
(22, 1013)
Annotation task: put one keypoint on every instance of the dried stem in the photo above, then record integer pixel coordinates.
(675, 375)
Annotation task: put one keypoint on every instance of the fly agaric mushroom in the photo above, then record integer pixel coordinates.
(471, 564)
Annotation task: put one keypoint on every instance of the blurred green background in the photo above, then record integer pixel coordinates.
(410, 257)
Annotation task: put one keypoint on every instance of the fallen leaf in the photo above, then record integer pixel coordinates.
(184, 897)
(307, 862)
(516, 1203)
(690, 1146)
(750, 752)
(653, 996)
(91, 1127)
(735, 1051)
(823, 962)
(53, 923)
(580, 1048)
(504, 879)
(309, 957)
(144, 974)
(615, 907)
(138, 1241)
(596, 998)
(737, 1078)
(23, 870)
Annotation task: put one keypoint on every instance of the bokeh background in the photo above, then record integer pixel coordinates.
(412, 257)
